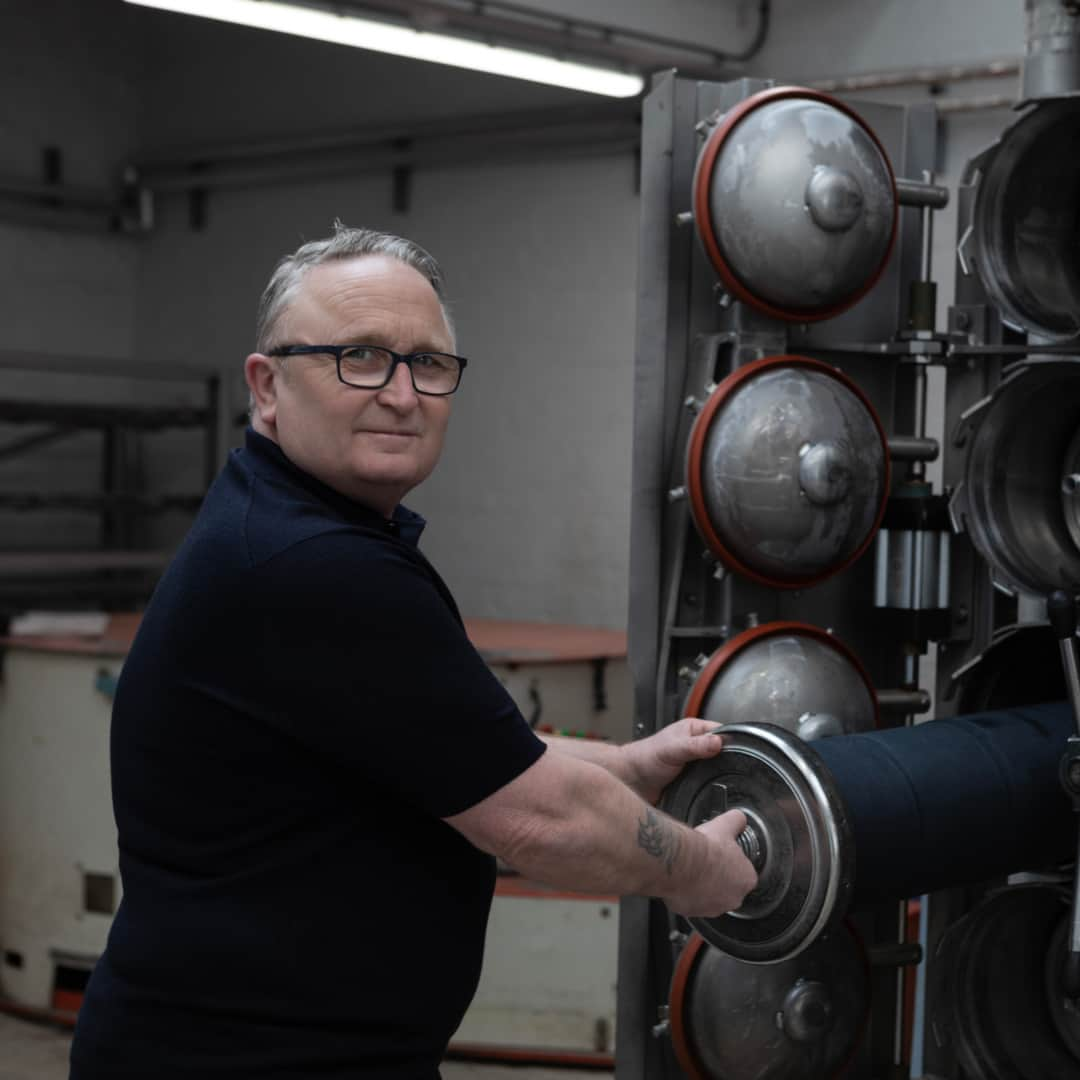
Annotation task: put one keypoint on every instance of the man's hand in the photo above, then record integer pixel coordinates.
(726, 876)
(649, 765)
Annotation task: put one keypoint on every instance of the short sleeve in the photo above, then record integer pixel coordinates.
(361, 658)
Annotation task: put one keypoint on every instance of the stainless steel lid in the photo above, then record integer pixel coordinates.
(787, 471)
(1018, 500)
(1022, 237)
(798, 835)
(795, 203)
(790, 674)
(800, 1019)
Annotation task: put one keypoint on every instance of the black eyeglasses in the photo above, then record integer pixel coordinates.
(370, 367)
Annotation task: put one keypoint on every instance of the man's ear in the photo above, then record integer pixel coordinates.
(262, 374)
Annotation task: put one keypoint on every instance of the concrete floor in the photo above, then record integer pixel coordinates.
(35, 1052)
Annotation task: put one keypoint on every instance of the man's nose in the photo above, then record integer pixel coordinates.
(399, 392)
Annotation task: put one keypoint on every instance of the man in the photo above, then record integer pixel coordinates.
(312, 767)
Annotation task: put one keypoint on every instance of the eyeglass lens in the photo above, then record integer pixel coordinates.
(432, 373)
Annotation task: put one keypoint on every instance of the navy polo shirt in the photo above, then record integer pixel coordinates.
(299, 710)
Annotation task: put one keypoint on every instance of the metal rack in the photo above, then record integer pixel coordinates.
(121, 568)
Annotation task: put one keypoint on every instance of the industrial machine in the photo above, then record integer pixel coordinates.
(792, 566)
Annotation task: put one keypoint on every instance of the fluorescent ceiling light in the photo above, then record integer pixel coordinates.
(402, 41)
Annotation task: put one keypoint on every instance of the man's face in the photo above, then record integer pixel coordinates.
(370, 445)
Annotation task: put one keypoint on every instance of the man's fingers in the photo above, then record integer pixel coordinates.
(696, 726)
(729, 824)
(704, 745)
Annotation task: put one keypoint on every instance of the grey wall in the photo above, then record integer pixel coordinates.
(65, 81)
(814, 38)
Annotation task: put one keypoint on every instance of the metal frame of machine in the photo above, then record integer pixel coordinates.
(962, 570)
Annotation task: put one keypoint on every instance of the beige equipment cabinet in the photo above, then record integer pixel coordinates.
(59, 873)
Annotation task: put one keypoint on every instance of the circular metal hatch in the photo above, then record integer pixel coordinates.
(1019, 501)
(787, 471)
(1023, 242)
(801, 1019)
(995, 1009)
(799, 828)
(790, 674)
(795, 204)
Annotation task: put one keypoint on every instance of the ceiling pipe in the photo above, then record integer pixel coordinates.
(566, 37)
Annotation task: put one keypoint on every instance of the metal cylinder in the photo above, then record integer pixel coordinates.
(913, 448)
(1052, 56)
(921, 193)
(954, 801)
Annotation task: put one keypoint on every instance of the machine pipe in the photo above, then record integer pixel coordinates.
(921, 193)
(912, 448)
(954, 801)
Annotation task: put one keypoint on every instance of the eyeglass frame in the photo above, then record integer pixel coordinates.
(336, 351)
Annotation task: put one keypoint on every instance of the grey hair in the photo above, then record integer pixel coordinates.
(346, 243)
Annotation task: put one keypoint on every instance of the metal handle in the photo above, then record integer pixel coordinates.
(918, 193)
(1061, 613)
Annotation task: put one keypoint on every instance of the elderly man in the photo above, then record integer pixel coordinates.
(312, 767)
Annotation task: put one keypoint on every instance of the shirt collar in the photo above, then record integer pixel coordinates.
(270, 462)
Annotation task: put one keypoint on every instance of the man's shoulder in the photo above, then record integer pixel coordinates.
(280, 519)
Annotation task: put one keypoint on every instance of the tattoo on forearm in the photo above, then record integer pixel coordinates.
(657, 839)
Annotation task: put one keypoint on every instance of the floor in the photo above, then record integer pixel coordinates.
(35, 1052)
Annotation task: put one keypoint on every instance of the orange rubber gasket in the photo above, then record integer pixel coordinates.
(680, 982)
(703, 174)
(727, 652)
(696, 452)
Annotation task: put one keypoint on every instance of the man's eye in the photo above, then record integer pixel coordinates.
(433, 361)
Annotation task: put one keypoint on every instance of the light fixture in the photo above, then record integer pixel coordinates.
(401, 41)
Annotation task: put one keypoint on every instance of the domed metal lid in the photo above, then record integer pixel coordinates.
(795, 203)
(787, 471)
(1019, 498)
(800, 1018)
(790, 674)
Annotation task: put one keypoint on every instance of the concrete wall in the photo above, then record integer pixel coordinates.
(816, 38)
(530, 507)
(65, 81)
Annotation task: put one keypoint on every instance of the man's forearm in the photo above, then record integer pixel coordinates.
(607, 755)
(598, 836)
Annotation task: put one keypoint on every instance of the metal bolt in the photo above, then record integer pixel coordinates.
(676, 493)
